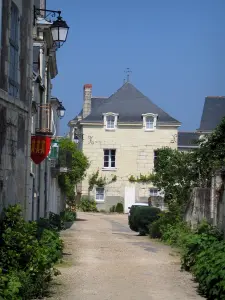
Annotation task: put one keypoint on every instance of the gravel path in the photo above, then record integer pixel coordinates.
(104, 260)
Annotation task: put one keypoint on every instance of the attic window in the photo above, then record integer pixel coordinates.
(110, 121)
(149, 121)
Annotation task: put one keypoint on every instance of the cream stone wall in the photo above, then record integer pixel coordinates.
(134, 155)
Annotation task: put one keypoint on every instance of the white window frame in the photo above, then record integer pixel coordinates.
(110, 161)
(106, 123)
(145, 118)
(14, 52)
(97, 199)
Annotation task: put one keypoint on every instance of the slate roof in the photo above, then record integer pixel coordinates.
(188, 139)
(95, 103)
(130, 104)
(213, 112)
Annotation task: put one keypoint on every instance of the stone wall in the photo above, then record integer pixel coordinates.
(198, 207)
(134, 155)
(15, 112)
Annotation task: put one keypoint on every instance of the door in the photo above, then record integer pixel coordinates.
(129, 198)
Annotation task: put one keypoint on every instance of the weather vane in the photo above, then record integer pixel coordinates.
(128, 72)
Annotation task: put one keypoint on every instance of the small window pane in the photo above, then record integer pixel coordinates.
(106, 152)
(149, 122)
(99, 194)
(113, 164)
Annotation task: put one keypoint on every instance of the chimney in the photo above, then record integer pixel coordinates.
(87, 100)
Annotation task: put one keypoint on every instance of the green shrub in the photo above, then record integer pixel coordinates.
(27, 256)
(112, 209)
(154, 230)
(56, 221)
(209, 270)
(119, 208)
(202, 253)
(68, 216)
(87, 205)
(142, 217)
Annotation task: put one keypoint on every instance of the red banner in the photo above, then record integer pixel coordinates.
(40, 147)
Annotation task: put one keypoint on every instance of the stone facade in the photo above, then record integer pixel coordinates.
(134, 155)
(15, 110)
(135, 147)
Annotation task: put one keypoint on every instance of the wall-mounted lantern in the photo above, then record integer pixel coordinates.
(59, 28)
(61, 110)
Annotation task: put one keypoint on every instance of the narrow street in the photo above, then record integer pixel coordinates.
(104, 260)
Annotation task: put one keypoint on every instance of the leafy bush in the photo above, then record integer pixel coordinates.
(209, 270)
(202, 253)
(119, 208)
(88, 205)
(27, 256)
(141, 217)
(113, 208)
(154, 230)
(68, 216)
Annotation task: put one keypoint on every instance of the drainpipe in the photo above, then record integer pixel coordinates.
(47, 82)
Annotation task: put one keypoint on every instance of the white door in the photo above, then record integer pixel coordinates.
(129, 198)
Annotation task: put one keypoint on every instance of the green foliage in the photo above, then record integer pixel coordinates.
(99, 181)
(141, 217)
(119, 208)
(68, 216)
(209, 270)
(211, 156)
(27, 256)
(88, 205)
(113, 208)
(80, 164)
(142, 178)
(175, 173)
(202, 253)
(132, 178)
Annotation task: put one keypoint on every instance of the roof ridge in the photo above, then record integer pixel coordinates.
(215, 97)
(99, 97)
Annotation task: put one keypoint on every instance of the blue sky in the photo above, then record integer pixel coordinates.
(175, 49)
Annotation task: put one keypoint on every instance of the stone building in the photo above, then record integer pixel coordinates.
(16, 57)
(27, 66)
(120, 135)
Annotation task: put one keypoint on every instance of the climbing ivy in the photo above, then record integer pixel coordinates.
(142, 178)
(96, 180)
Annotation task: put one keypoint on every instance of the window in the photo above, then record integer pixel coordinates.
(153, 192)
(110, 122)
(99, 194)
(149, 121)
(14, 52)
(109, 158)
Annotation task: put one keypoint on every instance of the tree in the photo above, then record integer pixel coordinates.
(175, 173)
(78, 165)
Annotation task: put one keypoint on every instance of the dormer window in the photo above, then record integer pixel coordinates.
(149, 121)
(110, 121)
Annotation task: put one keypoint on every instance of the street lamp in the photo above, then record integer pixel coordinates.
(60, 110)
(59, 28)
